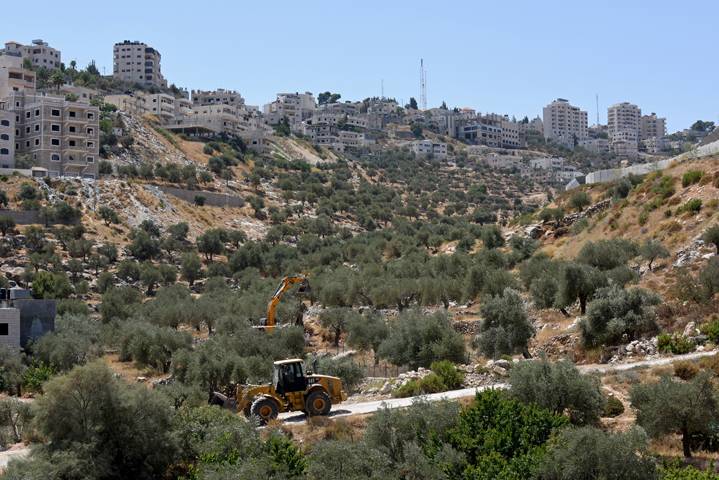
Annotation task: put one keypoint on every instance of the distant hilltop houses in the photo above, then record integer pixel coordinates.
(57, 126)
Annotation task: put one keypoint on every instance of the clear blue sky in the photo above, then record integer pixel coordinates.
(509, 57)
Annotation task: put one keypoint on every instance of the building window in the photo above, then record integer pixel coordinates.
(72, 129)
(4, 151)
(55, 158)
(37, 127)
(27, 144)
(55, 128)
(5, 123)
(4, 330)
(27, 114)
(55, 141)
(4, 137)
(90, 160)
(37, 112)
(90, 131)
(55, 113)
(90, 116)
(37, 142)
(72, 114)
(72, 143)
(90, 144)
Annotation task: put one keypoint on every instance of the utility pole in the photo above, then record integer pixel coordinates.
(422, 92)
(597, 109)
(382, 90)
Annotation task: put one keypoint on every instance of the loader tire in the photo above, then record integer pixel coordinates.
(265, 409)
(318, 403)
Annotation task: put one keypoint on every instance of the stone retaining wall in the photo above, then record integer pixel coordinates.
(212, 199)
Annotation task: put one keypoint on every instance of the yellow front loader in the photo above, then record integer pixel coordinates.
(291, 390)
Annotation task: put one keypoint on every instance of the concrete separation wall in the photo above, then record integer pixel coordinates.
(32, 217)
(603, 176)
(213, 199)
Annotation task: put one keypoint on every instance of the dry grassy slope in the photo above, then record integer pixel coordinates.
(622, 220)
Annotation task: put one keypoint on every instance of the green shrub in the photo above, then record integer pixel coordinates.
(654, 204)
(675, 470)
(409, 389)
(686, 370)
(711, 330)
(36, 375)
(4, 178)
(451, 378)
(675, 343)
(691, 177)
(614, 407)
(665, 188)
(643, 217)
(431, 383)
(691, 206)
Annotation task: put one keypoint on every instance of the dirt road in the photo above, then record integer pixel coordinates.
(369, 407)
(646, 363)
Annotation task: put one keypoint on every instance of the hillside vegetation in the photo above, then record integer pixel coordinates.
(445, 264)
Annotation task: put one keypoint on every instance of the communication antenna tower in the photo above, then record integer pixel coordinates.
(422, 91)
(383, 89)
(597, 109)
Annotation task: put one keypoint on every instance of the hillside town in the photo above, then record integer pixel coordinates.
(196, 288)
(55, 121)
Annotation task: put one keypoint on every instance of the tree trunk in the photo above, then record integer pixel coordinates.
(685, 443)
(583, 305)
(337, 337)
(564, 312)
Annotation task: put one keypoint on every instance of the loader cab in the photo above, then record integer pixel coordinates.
(288, 377)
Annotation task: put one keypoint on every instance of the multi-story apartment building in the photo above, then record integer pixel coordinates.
(383, 108)
(481, 130)
(218, 97)
(320, 117)
(624, 116)
(653, 126)
(564, 122)
(40, 53)
(536, 124)
(294, 106)
(14, 78)
(656, 144)
(513, 134)
(554, 164)
(508, 161)
(424, 147)
(347, 108)
(596, 145)
(7, 136)
(60, 136)
(137, 62)
(625, 148)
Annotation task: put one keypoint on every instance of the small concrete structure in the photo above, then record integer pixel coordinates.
(26, 320)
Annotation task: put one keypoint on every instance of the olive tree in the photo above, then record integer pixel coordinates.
(506, 328)
(676, 406)
(88, 416)
(590, 453)
(419, 340)
(651, 249)
(615, 312)
(559, 387)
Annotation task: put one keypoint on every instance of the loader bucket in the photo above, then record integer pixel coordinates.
(304, 288)
(224, 402)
